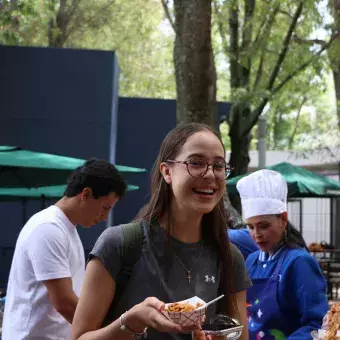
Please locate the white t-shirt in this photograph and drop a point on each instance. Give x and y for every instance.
(48, 247)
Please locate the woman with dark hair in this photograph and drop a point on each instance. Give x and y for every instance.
(288, 298)
(185, 249)
(238, 232)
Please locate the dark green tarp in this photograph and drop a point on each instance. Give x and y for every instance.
(49, 192)
(301, 182)
(29, 169)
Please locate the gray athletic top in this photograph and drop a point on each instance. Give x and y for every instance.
(159, 273)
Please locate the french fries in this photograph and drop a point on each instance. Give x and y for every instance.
(334, 322)
(182, 307)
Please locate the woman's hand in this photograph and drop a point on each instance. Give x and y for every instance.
(148, 314)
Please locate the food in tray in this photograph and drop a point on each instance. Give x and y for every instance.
(333, 323)
(315, 247)
(187, 312)
(182, 307)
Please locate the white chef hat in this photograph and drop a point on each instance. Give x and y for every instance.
(263, 192)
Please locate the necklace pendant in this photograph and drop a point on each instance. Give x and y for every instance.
(188, 276)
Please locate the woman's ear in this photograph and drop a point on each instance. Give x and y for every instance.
(284, 217)
(165, 171)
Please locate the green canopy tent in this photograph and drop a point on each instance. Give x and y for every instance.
(29, 169)
(301, 182)
(26, 175)
(41, 193)
(48, 192)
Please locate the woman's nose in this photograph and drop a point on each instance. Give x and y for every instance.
(210, 171)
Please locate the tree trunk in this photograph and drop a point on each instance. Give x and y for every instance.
(194, 63)
(334, 55)
(240, 76)
(57, 30)
(239, 157)
(336, 76)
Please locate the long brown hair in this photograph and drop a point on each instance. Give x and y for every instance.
(214, 224)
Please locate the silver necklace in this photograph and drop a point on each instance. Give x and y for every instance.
(188, 272)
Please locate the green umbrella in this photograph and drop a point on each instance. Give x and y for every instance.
(41, 193)
(29, 169)
(301, 182)
(48, 192)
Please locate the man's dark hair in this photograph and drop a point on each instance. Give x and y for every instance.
(100, 176)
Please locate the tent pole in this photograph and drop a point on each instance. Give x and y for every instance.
(301, 216)
(24, 211)
(332, 229)
(262, 147)
(43, 202)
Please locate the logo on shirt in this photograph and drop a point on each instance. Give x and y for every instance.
(210, 279)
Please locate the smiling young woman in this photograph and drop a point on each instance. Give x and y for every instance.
(185, 250)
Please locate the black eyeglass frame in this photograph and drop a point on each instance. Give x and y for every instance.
(228, 168)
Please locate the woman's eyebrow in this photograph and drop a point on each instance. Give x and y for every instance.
(195, 155)
(258, 224)
(202, 156)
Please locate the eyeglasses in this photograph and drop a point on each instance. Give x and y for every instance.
(198, 168)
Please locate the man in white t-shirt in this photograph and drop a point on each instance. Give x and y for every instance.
(49, 263)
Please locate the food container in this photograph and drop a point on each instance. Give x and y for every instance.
(187, 318)
(321, 334)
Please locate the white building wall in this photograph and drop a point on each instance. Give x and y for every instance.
(316, 221)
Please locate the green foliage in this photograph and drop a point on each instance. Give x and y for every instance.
(138, 34)
(23, 22)
(143, 40)
(134, 32)
(297, 101)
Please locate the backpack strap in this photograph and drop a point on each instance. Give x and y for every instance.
(132, 246)
(133, 237)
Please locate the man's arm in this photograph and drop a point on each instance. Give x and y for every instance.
(62, 297)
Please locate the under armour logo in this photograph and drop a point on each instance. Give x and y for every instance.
(210, 279)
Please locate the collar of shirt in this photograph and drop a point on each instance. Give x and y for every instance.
(264, 256)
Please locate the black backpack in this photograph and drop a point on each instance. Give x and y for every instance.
(133, 242)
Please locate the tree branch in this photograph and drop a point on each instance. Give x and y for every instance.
(281, 11)
(265, 31)
(304, 65)
(221, 29)
(234, 45)
(248, 26)
(245, 66)
(259, 71)
(291, 138)
(257, 112)
(71, 12)
(168, 15)
(285, 47)
(81, 22)
(260, 32)
(308, 42)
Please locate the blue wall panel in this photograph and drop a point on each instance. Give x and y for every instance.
(57, 101)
